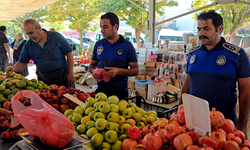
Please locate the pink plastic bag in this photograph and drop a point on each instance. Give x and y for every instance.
(41, 120)
(99, 73)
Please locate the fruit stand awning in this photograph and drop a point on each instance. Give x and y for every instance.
(11, 9)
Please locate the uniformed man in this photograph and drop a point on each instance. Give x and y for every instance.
(115, 54)
(214, 68)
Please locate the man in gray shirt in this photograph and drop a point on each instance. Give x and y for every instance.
(4, 47)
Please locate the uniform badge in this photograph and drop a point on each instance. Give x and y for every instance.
(100, 50)
(193, 59)
(221, 60)
(120, 51)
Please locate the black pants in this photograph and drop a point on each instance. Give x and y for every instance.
(121, 95)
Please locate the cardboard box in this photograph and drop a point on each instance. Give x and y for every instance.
(150, 77)
(141, 77)
(131, 84)
(156, 88)
(150, 64)
(142, 92)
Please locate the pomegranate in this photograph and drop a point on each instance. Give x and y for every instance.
(182, 141)
(181, 107)
(183, 130)
(244, 148)
(210, 142)
(139, 147)
(147, 129)
(129, 144)
(152, 141)
(206, 148)
(169, 146)
(160, 123)
(217, 118)
(194, 135)
(246, 144)
(231, 145)
(140, 141)
(171, 131)
(173, 117)
(160, 133)
(219, 139)
(239, 134)
(232, 137)
(181, 117)
(134, 132)
(228, 126)
(220, 131)
(192, 147)
(175, 123)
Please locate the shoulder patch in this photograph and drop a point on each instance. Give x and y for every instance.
(194, 49)
(231, 48)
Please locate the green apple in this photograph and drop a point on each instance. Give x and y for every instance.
(111, 126)
(140, 125)
(112, 100)
(123, 101)
(113, 117)
(85, 119)
(88, 110)
(132, 105)
(141, 111)
(117, 145)
(74, 124)
(100, 124)
(152, 115)
(68, 112)
(133, 110)
(91, 114)
(100, 97)
(110, 136)
(121, 120)
(96, 139)
(143, 119)
(114, 108)
(70, 117)
(145, 116)
(84, 135)
(79, 110)
(124, 128)
(121, 106)
(150, 120)
(98, 115)
(96, 105)
(105, 145)
(131, 122)
(104, 107)
(90, 146)
(127, 113)
(90, 102)
(152, 112)
(81, 129)
(103, 133)
(117, 128)
(90, 124)
(123, 137)
(92, 131)
(77, 118)
(137, 117)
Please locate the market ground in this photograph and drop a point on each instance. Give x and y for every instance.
(32, 75)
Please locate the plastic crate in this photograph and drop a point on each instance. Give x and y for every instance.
(166, 114)
(141, 103)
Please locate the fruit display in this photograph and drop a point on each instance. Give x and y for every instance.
(174, 135)
(106, 121)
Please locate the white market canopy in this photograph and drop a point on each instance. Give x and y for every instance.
(12, 9)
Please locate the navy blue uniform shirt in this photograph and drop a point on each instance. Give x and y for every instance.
(117, 55)
(213, 75)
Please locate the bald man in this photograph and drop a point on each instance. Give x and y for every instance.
(48, 50)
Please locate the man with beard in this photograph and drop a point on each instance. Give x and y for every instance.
(214, 68)
(114, 54)
(48, 50)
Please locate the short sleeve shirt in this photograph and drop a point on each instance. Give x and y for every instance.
(3, 39)
(49, 58)
(117, 55)
(213, 75)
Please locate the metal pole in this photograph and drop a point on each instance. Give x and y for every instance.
(151, 37)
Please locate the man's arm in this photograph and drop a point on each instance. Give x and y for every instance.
(70, 76)
(6, 45)
(185, 87)
(132, 71)
(17, 67)
(244, 104)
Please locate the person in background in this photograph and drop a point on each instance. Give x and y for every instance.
(142, 44)
(115, 54)
(52, 29)
(48, 50)
(17, 46)
(10, 41)
(214, 68)
(4, 49)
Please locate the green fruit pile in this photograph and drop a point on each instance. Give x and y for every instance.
(105, 121)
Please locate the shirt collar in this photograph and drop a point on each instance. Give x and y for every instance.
(217, 46)
(121, 39)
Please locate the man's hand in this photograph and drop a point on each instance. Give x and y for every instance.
(11, 68)
(242, 128)
(4, 115)
(70, 80)
(112, 71)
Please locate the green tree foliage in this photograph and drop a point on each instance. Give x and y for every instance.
(58, 25)
(234, 15)
(79, 13)
(134, 16)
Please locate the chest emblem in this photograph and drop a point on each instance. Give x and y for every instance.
(221, 60)
(120, 51)
(100, 50)
(193, 59)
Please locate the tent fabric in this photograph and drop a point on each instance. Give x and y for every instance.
(12, 9)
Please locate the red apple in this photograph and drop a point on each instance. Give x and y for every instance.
(5, 124)
(65, 100)
(21, 99)
(64, 107)
(82, 97)
(17, 133)
(56, 106)
(26, 103)
(70, 90)
(43, 90)
(53, 88)
(5, 135)
(92, 94)
(41, 94)
(82, 92)
(63, 88)
(77, 90)
(87, 95)
(6, 104)
(72, 105)
(56, 99)
(61, 93)
(129, 144)
(50, 101)
(76, 94)
(134, 132)
(47, 95)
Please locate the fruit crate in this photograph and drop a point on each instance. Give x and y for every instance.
(141, 103)
(166, 114)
